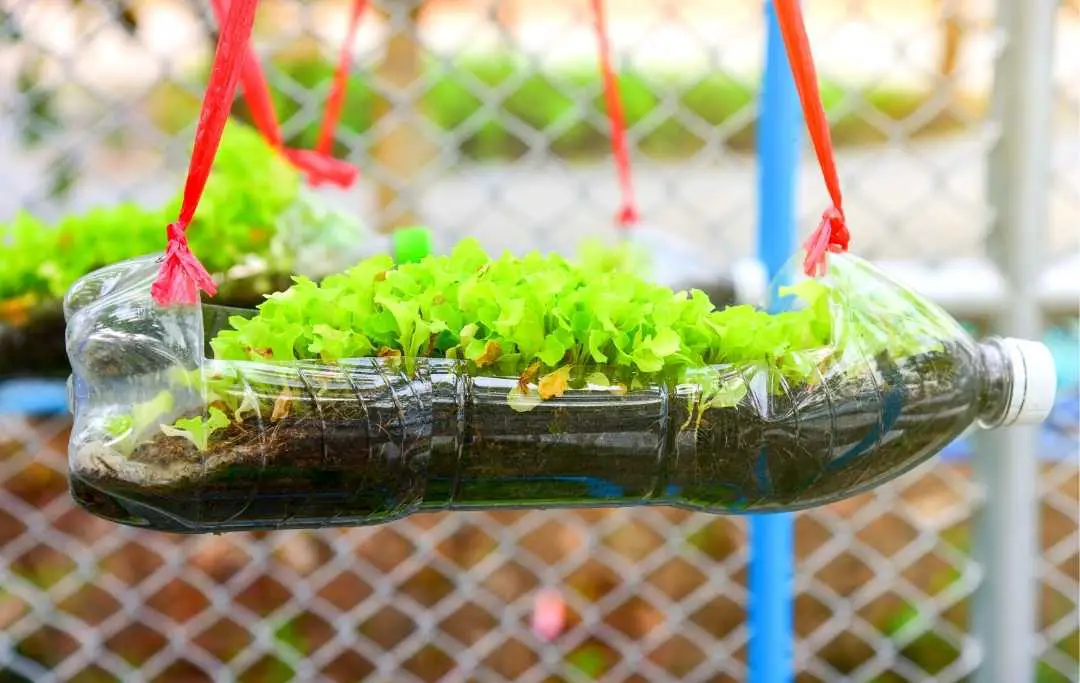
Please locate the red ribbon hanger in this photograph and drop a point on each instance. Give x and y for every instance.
(181, 275)
(318, 165)
(831, 235)
(628, 215)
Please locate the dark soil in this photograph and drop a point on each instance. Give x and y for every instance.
(36, 348)
(338, 461)
(324, 464)
(823, 444)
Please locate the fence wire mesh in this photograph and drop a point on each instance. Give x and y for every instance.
(486, 119)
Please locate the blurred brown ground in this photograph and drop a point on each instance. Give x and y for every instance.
(37, 478)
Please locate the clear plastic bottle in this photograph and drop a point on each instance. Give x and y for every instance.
(299, 445)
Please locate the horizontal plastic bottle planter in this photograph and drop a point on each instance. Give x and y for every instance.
(365, 441)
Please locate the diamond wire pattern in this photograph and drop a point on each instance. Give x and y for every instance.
(881, 591)
(883, 581)
(1059, 618)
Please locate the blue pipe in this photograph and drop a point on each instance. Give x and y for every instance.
(771, 536)
(35, 397)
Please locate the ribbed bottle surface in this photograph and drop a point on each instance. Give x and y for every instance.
(364, 443)
(305, 444)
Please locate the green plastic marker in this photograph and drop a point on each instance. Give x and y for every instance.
(411, 244)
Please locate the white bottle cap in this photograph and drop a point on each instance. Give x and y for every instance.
(1034, 382)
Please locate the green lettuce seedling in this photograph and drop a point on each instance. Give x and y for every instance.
(529, 317)
(557, 325)
(127, 429)
(198, 430)
(250, 186)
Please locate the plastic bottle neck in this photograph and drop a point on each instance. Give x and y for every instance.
(996, 385)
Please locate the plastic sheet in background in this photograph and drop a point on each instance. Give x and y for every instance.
(672, 261)
(165, 438)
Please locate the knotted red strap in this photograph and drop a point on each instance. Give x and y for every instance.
(322, 169)
(318, 166)
(181, 275)
(628, 213)
(832, 234)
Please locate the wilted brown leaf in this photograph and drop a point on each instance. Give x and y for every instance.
(491, 353)
(282, 405)
(528, 377)
(555, 383)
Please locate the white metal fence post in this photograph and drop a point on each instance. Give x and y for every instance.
(1006, 541)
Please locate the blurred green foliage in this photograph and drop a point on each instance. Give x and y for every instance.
(249, 188)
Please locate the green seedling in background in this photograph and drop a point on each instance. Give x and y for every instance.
(249, 188)
(198, 430)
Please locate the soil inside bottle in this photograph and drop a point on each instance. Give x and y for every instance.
(575, 452)
(320, 450)
(335, 465)
(817, 444)
(331, 463)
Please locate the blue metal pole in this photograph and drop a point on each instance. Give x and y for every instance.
(771, 536)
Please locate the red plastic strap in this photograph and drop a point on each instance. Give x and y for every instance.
(318, 167)
(255, 91)
(181, 275)
(341, 81)
(628, 213)
(832, 234)
(322, 169)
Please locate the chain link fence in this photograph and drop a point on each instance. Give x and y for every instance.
(485, 118)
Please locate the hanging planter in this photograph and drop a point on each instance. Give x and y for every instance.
(246, 227)
(460, 383)
(466, 382)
